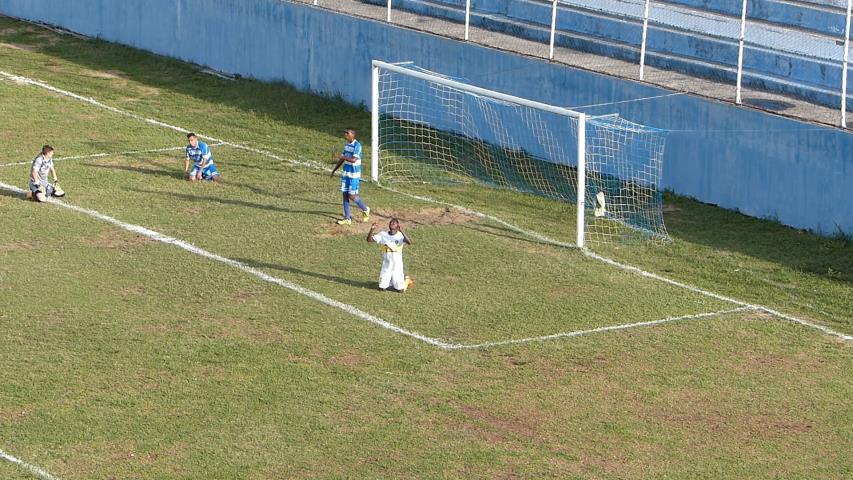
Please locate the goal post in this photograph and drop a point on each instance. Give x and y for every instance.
(431, 128)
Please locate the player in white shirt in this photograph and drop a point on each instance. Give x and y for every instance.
(391, 242)
(40, 188)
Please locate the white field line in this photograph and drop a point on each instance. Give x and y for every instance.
(538, 236)
(139, 230)
(578, 333)
(101, 155)
(38, 472)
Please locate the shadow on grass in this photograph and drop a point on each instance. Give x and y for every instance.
(277, 102)
(11, 194)
(228, 201)
(724, 230)
(330, 278)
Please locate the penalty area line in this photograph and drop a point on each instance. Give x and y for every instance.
(538, 236)
(611, 328)
(38, 472)
(139, 230)
(101, 155)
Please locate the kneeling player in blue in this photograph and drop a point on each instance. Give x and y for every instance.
(351, 160)
(203, 167)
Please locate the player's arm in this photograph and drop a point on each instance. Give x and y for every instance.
(338, 165)
(370, 232)
(356, 155)
(34, 174)
(53, 172)
(405, 237)
(187, 166)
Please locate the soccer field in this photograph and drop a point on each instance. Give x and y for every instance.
(159, 329)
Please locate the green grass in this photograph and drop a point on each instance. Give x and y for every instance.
(117, 363)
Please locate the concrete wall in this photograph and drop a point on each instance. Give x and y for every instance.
(757, 163)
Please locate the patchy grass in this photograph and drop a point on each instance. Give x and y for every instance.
(128, 358)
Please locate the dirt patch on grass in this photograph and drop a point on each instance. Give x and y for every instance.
(106, 75)
(133, 291)
(230, 328)
(349, 359)
(18, 246)
(190, 210)
(18, 46)
(117, 239)
(494, 428)
(14, 416)
(408, 218)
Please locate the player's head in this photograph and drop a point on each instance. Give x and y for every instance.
(47, 151)
(349, 134)
(193, 139)
(394, 225)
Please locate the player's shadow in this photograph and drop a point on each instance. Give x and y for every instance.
(229, 201)
(160, 172)
(9, 193)
(298, 271)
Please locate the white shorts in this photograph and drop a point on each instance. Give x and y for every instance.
(392, 271)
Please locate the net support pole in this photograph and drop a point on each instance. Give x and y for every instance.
(374, 125)
(643, 41)
(388, 14)
(581, 199)
(467, 17)
(315, 2)
(741, 41)
(844, 67)
(553, 30)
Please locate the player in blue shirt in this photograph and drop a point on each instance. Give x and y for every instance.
(203, 166)
(351, 160)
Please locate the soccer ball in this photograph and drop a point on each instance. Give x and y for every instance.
(408, 283)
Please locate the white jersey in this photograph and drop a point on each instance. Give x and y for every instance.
(392, 262)
(42, 165)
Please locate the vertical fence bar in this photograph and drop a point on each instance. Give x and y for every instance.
(844, 68)
(553, 29)
(581, 198)
(643, 43)
(388, 15)
(315, 2)
(741, 41)
(467, 17)
(374, 124)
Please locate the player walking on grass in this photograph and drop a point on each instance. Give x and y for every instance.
(351, 160)
(391, 242)
(40, 188)
(203, 167)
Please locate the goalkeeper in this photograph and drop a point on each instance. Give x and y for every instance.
(391, 242)
(40, 188)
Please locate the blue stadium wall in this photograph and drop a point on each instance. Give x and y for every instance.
(759, 164)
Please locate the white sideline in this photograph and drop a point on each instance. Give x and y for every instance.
(532, 234)
(241, 266)
(40, 473)
(101, 155)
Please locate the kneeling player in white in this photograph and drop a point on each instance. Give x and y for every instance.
(199, 154)
(391, 242)
(40, 188)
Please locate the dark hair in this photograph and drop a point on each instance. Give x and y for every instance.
(191, 134)
(45, 149)
(348, 130)
(394, 219)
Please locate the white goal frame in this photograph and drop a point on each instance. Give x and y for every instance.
(579, 116)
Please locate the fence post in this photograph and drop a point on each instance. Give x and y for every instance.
(643, 43)
(388, 15)
(467, 17)
(844, 67)
(741, 41)
(553, 29)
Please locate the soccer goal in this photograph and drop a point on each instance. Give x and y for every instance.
(436, 129)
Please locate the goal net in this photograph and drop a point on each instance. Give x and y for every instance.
(430, 128)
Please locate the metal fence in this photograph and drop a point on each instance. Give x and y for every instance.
(796, 47)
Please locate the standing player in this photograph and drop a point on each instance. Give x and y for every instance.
(203, 167)
(391, 242)
(40, 188)
(351, 160)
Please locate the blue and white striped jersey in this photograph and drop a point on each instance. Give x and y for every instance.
(198, 153)
(352, 169)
